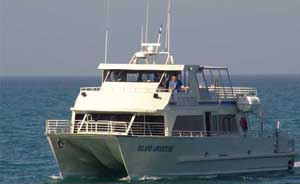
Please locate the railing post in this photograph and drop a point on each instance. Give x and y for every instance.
(130, 125)
(83, 120)
(56, 126)
(110, 127)
(149, 129)
(46, 127)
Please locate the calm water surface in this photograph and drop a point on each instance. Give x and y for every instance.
(26, 102)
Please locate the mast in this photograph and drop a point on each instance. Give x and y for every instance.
(105, 49)
(168, 26)
(168, 35)
(152, 49)
(106, 31)
(106, 35)
(158, 38)
(147, 21)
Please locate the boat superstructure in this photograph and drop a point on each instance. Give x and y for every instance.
(135, 125)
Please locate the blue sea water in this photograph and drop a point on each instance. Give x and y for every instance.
(26, 102)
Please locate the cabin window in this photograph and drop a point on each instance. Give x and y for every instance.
(149, 119)
(201, 80)
(133, 76)
(185, 78)
(188, 123)
(105, 117)
(211, 77)
(148, 125)
(111, 117)
(79, 117)
(214, 83)
(224, 123)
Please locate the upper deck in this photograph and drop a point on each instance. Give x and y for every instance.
(143, 85)
(145, 88)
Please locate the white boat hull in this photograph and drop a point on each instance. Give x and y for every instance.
(136, 157)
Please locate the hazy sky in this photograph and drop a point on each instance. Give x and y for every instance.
(66, 37)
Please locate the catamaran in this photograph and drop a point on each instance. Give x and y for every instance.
(152, 117)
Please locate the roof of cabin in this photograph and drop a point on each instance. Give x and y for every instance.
(160, 67)
(156, 67)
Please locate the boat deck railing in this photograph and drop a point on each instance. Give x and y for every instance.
(231, 92)
(104, 127)
(215, 92)
(136, 129)
(58, 127)
(191, 133)
(124, 89)
(100, 127)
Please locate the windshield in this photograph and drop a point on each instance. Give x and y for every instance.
(133, 76)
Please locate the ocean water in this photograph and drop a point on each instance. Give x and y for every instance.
(26, 102)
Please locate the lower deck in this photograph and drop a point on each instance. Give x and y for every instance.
(120, 156)
(123, 128)
(183, 123)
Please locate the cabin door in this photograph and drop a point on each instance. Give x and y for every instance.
(208, 122)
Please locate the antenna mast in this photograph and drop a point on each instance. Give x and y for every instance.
(105, 50)
(158, 39)
(142, 34)
(106, 31)
(147, 21)
(106, 5)
(168, 26)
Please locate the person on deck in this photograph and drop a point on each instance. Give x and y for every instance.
(175, 84)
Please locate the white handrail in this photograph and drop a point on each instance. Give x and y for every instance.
(101, 127)
(58, 126)
(106, 127)
(234, 92)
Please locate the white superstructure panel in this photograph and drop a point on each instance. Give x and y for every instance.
(123, 97)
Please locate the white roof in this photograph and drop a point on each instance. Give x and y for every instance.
(159, 67)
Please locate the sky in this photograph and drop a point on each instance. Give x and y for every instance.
(66, 37)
